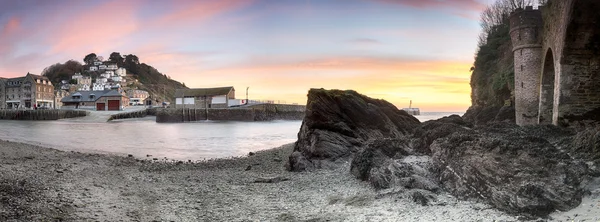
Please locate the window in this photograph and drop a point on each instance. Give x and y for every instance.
(521, 68)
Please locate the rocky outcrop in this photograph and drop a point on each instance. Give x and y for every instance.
(509, 168)
(338, 123)
(587, 143)
(480, 115)
(521, 170)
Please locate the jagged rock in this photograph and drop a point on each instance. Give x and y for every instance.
(376, 155)
(434, 129)
(506, 114)
(422, 197)
(339, 123)
(587, 143)
(479, 115)
(510, 169)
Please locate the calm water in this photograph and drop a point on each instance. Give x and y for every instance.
(194, 141)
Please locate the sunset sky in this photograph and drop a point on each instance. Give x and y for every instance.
(398, 50)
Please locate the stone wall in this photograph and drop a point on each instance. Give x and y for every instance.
(135, 114)
(262, 112)
(565, 73)
(51, 114)
(525, 35)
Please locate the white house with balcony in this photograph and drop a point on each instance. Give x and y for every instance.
(97, 63)
(102, 67)
(93, 68)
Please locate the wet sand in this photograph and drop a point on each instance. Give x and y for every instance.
(44, 184)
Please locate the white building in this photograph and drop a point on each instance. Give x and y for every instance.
(96, 63)
(105, 75)
(98, 87)
(84, 87)
(121, 71)
(77, 76)
(102, 67)
(101, 80)
(93, 68)
(112, 67)
(117, 78)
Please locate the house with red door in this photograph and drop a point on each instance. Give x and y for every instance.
(96, 100)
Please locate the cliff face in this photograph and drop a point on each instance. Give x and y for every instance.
(492, 79)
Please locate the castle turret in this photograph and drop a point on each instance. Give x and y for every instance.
(525, 33)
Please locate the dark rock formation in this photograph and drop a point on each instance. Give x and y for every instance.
(480, 115)
(509, 168)
(520, 170)
(339, 123)
(434, 129)
(587, 143)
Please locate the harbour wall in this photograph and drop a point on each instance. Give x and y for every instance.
(259, 112)
(47, 114)
(134, 114)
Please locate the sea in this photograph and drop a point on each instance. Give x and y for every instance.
(144, 138)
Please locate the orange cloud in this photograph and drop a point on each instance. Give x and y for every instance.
(427, 83)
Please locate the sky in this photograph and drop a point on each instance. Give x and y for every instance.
(397, 50)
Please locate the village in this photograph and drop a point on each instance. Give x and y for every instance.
(114, 89)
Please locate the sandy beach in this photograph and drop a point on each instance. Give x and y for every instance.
(45, 184)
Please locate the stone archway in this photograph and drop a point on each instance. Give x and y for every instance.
(547, 89)
(579, 68)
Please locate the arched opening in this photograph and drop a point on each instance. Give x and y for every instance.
(547, 89)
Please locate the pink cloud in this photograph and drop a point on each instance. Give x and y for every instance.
(194, 11)
(96, 29)
(456, 4)
(11, 26)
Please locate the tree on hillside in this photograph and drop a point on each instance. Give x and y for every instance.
(116, 58)
(492, 78)
(132, 59)
(90, 58)
(498, 13)
(58, 71)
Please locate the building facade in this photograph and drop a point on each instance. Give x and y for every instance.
(204, 97)
(95, 100)
(29, 92)
(3, 96)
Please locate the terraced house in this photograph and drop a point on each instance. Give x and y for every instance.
(28, 92)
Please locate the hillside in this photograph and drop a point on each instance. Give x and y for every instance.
(159, 85)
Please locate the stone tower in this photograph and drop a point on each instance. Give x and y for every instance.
(525, 33)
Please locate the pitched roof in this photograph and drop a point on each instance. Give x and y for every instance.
(34, 76)
(85, 96)
(180, 93)
(113, 93)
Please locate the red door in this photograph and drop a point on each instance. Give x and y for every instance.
(100, 106)
(114, 105)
